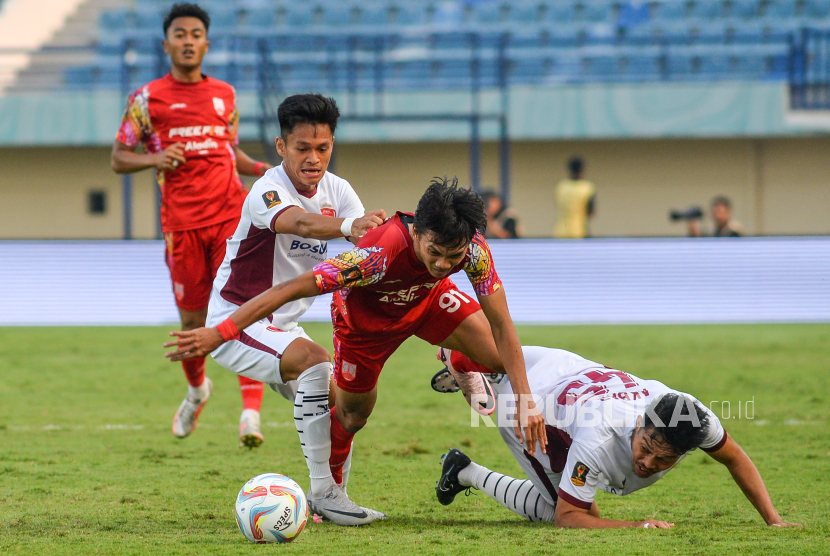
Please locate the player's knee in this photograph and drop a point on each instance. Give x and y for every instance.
(353, 420)
(301, 357)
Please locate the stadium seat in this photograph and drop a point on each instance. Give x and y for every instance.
(781, 9)
(339, 14)
(744, 9)
(558, 12)
(707, 9)
(597, 11)
(633, 13)
(818, 8)
(405, 13)
(373, 14)
(445, 14)
(489, 12)
(526, 12)
(299, 16)
(116, 20)
(640, 68)
(258, 18)
(672, 10)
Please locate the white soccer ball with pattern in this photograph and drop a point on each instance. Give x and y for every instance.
(271, 508)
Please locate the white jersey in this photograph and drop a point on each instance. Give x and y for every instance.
(257, 258)
(591, 413)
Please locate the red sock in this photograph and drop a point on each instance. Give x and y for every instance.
(464, 364)
(194, 370)
(251, 393)
(341, 445)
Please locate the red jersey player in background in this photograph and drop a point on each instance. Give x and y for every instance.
(395, 284)
(187, 123)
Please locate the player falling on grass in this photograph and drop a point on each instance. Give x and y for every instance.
(606, 429)
(187, 124)
(395, 284)
(287, 220)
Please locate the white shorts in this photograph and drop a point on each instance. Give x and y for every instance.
(257, 352)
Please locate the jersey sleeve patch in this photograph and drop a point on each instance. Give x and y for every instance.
(480, 269)
(579, 474)
(136, 126)
(361, 266)
(271, 199)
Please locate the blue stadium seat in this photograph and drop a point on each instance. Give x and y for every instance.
(446, 14)
(818, 8)
(490, 11)
(633, 13)
(707, 9)
(407, 13)
(258, 18)
(672, 9)
(781, 9)
(374, 14)
(116, 20)
(597, 11)
(558, 12)
(640, 67)
(744, 9)
(339, 14)
(526, 12)
(299, 16)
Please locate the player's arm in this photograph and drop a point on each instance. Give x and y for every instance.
(487, 285)
(507, 342)
(568, 515)
(201, 341)
(125, 160)
(247, 165)
(298, 222)
(747, 477)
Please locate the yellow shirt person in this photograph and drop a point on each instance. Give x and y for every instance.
(574, 200)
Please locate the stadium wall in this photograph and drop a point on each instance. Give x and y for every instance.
(777, 185)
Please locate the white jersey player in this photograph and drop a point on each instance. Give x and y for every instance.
(606, 429)
(287, 219)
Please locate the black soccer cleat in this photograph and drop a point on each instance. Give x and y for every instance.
(448, 485)
(444, 382)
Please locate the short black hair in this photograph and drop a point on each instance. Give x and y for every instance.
(453, 214)
(307, 109)
(575, 166)
(722, 200)
(185, 9)
(675, 425)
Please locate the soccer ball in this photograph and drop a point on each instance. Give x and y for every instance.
(271, 508)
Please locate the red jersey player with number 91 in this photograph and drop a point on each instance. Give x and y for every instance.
(395, 284)
(187, 124)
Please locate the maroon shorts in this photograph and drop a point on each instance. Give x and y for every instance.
(359, 356)
(193, 257)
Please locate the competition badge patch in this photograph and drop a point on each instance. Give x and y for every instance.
(348, 370)
(219, 105)
(327, 210)
(579, 474)
(271, 199)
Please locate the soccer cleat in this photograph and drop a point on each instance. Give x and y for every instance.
(448, 485)
(249, 434)
(338, 508)
(185, 419)
(444, 383)
(470, 384)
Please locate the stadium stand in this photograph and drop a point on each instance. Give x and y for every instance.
(427, 45)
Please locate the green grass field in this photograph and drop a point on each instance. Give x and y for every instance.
(88, 464)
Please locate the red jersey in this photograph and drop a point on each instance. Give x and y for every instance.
(379, 284)
(206, 190)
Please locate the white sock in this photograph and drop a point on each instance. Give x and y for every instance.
(313, 422)
(199, 392)
(347, 467)
(517, 496)
(248, 414)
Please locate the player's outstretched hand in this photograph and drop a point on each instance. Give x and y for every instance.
(371, 220)
(655, 524)
(533, 422)
(193, 343)
(171, 158)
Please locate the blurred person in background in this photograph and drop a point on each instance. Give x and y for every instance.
(502, 221)
(575, 200)
(725, 226)
(187, 124)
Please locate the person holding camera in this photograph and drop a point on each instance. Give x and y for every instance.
(721, 212)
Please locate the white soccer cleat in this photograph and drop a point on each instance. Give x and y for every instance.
(476, 389)
(184, 422)
(249, 431)
(338, 508)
